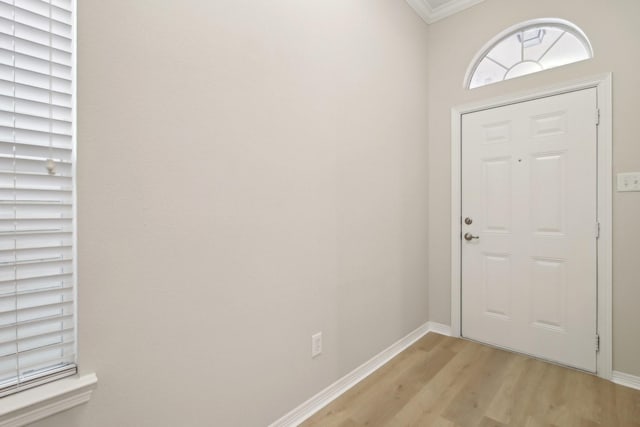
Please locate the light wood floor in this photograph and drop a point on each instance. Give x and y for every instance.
(447, 382)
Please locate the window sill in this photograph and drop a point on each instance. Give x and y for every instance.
(49, 399)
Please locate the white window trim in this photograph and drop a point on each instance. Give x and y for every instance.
(34, 404)
(603, 85)
(40, 402)
(46, 389)
(523, 26)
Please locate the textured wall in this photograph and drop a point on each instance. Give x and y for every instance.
(249, 173)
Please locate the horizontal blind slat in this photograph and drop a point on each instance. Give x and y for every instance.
(66, 289)
(32, 342)
(11, 104)
(63, 4)
(15, 247)
(33, 299)
(39, 358)
(9, 56)
(31, 159)
(33, 358)
(44, 320)
(33, 150)
(14, 182)
(29, 52)
(39, 50)
(25, 311)
(25, 208)
(37, 79)
(54, 269)
(42, 8)
(57, 51)
(37, 194)
(38, 216)
(46, 286)
(31, 69)
(22, 229)
(31, 370)
(31, 256)
(37, 13)
(31, 93)
(26, 137)
(32, 123)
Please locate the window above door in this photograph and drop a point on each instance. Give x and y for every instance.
(528, 48)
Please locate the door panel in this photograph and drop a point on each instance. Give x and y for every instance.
(529, 185)
(497, 194)
(497, 289)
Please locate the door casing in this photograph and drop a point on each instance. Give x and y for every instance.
(602, 84)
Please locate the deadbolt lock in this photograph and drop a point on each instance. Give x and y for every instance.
(468, 221)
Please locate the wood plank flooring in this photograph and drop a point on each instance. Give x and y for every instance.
(448, 382)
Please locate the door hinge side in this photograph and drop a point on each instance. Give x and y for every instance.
(597, 230)
(597, 117)
(597, 343)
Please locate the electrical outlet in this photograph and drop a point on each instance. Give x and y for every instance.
(316, 344)
(629, 181)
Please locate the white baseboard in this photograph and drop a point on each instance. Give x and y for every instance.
(626, 380)
(439, 328)
(335, 390)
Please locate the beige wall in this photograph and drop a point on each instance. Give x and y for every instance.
(253, 172)
(250, 173)
(614, 31)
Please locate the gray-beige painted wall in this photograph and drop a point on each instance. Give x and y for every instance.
(613, 29)
(249, 173)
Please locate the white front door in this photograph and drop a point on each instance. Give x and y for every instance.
(529, 206)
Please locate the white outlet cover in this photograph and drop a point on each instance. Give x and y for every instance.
(629, 181)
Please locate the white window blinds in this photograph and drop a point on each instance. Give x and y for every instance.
(37, 308)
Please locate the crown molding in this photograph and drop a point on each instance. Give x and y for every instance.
(431, 14)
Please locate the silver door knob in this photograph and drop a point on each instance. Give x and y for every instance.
(468, 237)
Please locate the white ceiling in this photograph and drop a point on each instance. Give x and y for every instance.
(435, 10)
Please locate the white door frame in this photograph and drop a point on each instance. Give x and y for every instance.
(602, 83)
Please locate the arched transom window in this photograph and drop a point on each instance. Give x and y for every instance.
(527, 48)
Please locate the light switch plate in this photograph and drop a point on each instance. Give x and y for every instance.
(629, 181)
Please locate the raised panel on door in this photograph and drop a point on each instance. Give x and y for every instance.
(496, 199)
(529, 186)
(497, 290)
(547, 190)
(548, 294)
